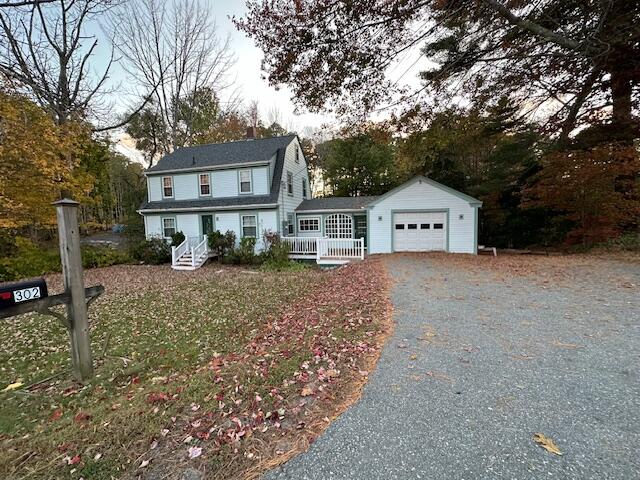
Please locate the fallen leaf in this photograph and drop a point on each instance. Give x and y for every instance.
(306, 391)
(144, 463)
(13, 386)
(413, 357)
(195, 452)
(74, 460)
(546, 443)
(57, 413)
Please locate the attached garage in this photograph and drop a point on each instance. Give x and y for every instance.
(423, 215)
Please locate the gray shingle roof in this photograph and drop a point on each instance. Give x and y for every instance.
(334, 203)
(240, 201)
(216, 154)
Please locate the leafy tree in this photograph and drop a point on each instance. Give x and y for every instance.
(592, 189)
(37, 163)
(360, 164)
(577, 56)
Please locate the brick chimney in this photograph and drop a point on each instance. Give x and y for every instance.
(251, 133)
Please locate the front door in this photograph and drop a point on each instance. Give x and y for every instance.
(361, 227)
(207, 224)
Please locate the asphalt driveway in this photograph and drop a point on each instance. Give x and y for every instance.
(485, 353)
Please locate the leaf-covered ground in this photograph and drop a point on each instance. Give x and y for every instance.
(223, 370)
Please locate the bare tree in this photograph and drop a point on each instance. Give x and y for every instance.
(24, 3)
(46, 50)
(171, 47)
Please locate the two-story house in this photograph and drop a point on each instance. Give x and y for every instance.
(257, 185)
(247, 186)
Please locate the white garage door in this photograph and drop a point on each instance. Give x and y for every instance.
(419, 232)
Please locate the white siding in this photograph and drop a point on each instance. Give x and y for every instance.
(260, 180)
(299, 171)
(152, 226)
(267, 221)
(185, 186)
(228, 221)
(423, 196)
(224, 183)
(155, 189)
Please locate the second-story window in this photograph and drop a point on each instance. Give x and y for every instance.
(297, 155)
(290, 183)
(245, 181)
(304, 188)
(205, 184)
(167, 187)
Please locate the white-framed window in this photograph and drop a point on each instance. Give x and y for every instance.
(311, 224)
(245, 181)
(290, 183)
(168, 227)
(304, 188)
(338, 225)
(167, 187)
(290, 224)
(204, 181)
(249, 226)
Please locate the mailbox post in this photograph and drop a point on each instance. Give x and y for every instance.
(81, 358)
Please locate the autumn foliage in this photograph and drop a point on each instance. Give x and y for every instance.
(37, 161)
(594, 189)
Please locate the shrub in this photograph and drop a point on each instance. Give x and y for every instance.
(177, 238)
(221, 244)
(245, 254)
(103, 256)
(154, 251)
(28, 260)
(276, 253)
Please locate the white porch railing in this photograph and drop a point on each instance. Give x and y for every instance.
(340, 248)
(198, 252)
(325, 248)
(180, 250)
(301, 246)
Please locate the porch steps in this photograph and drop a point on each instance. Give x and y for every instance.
(185, 261)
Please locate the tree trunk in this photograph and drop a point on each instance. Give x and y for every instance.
(621, 90)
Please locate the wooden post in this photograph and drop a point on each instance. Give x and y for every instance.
(81, 359)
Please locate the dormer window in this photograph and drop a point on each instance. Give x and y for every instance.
(167, 187)
(205, 184)
(245, 181)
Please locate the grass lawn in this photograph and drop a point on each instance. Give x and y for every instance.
(189, 365)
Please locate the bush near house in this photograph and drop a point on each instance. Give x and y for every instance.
(177, 239)
(220, 243)
(154, 251)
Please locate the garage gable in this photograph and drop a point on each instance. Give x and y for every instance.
(424, 181)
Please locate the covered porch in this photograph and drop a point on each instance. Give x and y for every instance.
(330, 230)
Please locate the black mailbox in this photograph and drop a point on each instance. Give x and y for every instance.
(15, 293)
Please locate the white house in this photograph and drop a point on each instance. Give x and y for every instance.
(257, 185)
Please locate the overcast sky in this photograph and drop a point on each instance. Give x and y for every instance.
(247, 73)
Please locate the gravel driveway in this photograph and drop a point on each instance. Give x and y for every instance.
(485, 353)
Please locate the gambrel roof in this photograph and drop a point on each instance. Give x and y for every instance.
(222, 154)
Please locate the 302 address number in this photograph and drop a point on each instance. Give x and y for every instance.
(26, 294)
